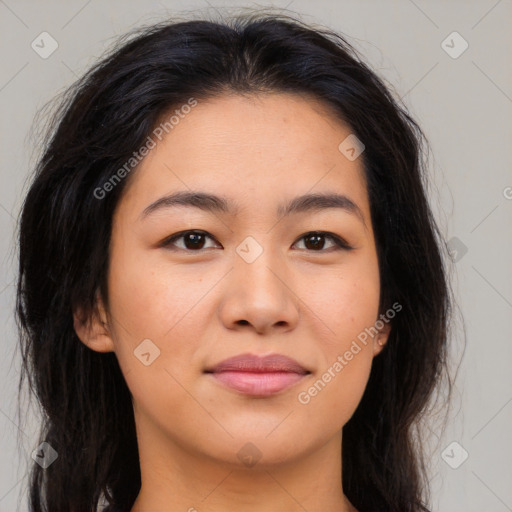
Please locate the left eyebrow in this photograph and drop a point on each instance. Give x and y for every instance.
(213, 203)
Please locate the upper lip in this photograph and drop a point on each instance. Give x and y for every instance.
(258, 364)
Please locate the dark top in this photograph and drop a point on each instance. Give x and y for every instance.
(114, 508)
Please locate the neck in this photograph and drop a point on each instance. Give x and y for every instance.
(176, 479)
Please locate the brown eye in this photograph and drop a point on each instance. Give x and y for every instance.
(315, 241)
(192, 240)
(195, 241)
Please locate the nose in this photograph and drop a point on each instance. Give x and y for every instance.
(259, 296)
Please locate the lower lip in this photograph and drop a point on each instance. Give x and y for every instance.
(258, 384)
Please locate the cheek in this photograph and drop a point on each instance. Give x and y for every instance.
(346, 308)
(345, 302)
(155, 321)
(152, 295)
(333, 396)
(149, 301)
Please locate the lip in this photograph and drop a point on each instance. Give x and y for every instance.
(258, 376)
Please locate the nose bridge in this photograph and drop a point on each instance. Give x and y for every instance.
(257, 265)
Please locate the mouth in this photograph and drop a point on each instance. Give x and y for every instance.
(258, 376)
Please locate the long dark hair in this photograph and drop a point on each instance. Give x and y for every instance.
(65, 232)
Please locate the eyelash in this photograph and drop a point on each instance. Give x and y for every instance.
(340, 244)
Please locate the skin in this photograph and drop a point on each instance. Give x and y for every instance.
(200, 307)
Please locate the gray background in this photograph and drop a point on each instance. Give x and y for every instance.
(464, 105)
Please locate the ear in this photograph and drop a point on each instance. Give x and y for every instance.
(380, 340)
(94, 331)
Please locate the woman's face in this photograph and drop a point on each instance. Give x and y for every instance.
(251, 281)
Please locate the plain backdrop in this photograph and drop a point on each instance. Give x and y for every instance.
(450, 61)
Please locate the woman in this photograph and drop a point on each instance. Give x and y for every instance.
(231, 288)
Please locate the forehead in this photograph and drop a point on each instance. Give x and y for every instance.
(255, 149)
